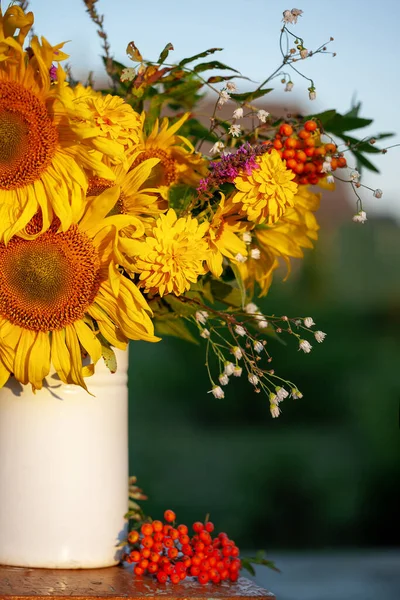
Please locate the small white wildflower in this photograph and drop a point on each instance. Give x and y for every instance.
(237, 371)
(217, 392)
(378, 193)
(128, 74)
(305, 346)
(223, 379)
(330, 179)
(218, 147)
(274, 410)
(312, 95)
(237, 352)
(240, 330)
(231, 86)
(263, 324)
(360, 217)
(258, 346)
(253, 379)
(308, 322)
(251, 308)
(304, 53)
(223, 98)
(287, 16)
(281, 393)
(320, 336)
(262, 115)
(238, 113)
(295, 393)
(273, 398)
(235, 130)
(240, 258)
(201, 316)
(229, 367)
(326, 165)
(255, 253)
(246, 237)
(355, 175)
(205, 334)
(296, 12)
(289, 86)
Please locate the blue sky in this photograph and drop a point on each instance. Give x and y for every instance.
(365, 38)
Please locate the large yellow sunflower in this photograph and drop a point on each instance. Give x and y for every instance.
(265, 193)
(286, 239)
(59, 291)
(179, 163)
(41, 160)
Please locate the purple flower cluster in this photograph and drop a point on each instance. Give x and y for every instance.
(53, 73)
(228, 167)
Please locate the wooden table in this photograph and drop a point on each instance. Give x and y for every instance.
(114, 583)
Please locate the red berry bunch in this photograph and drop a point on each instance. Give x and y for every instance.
(171, 554)
(305, 154)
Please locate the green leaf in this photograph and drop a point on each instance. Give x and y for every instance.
(248, 566)
(180, 197)
(339, 124)
(240, 284)
(213, 64)
(365, 162)
(250, 96)
(219, 78)
(226, 293)
(324, 117)
(182, 309)
(185, 61)
(175, 327)
(108, 354)
(165, 53)
(259, 559)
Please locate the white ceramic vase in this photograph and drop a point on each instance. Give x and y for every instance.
(64, 471)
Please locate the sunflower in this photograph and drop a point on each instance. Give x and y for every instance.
(286, 239)
(179, 163)
(225, 236)
(62, 296)
(112, 126)
(41, 160)
(266, 192)
(172, 255)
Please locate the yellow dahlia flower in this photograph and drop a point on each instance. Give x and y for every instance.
(225, 236)
(179, 163)
(41, 160)
(171, 257)
(58, 291)
(113, 127)
(266, 192)
(14, 18)
(284, 240)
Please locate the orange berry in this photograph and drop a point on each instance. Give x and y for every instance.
(320, 151)
(194, 571)
(175, 578)
(288, 153)
(184, 539)
(155, 557)
(152, 568)
(277, 144)
(162, 577)
(291, 163)
(203, 578)
(301, 156)
(334, 164)
(286, 129)
(303, 180)
(290, 143)
(299, 168)
(147, 529)
(157, 526)
(309, 142)
(135, 556)
(166, 529)
(169, 516)
(182, 529)
(133, 537)
(173, 552)
(173, 533)
(145, 552)
(169, 543)
(182, 575)
(158, 536)
(309, 168)
(144, 563)
(147, 541)
(209, 526)
(309, 151)
(330, 147)
(342, 162)
(303, 134)
(157, 547)
(197, 526)
(313, 179)
(138, 571)
(310, 126)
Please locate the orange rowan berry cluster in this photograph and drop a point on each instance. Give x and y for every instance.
(169, 553)
(305, 154)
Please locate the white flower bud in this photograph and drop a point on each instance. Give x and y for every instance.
(238, 113)
(228, 368)
(201, 316)
(308, 322)
(255, 253)
(237, 372)
(378, 193)
(223, 379)
(240, 330)
(258, 346)
(305, 346)
(253, 379)
(217, 392)
(320, 336)
(205, 334)
(237, 352)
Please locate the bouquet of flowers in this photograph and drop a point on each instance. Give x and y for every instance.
(124, 216)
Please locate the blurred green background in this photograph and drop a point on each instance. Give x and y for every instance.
(326, 473)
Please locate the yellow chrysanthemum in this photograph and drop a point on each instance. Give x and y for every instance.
(266, 192)
(285, 240)
(58, 290)
(171, 257)
(179, 163)
(113, 127)
(225, 236)
(41, 160)
(14, 18)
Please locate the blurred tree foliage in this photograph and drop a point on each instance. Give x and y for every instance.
(327, 472)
